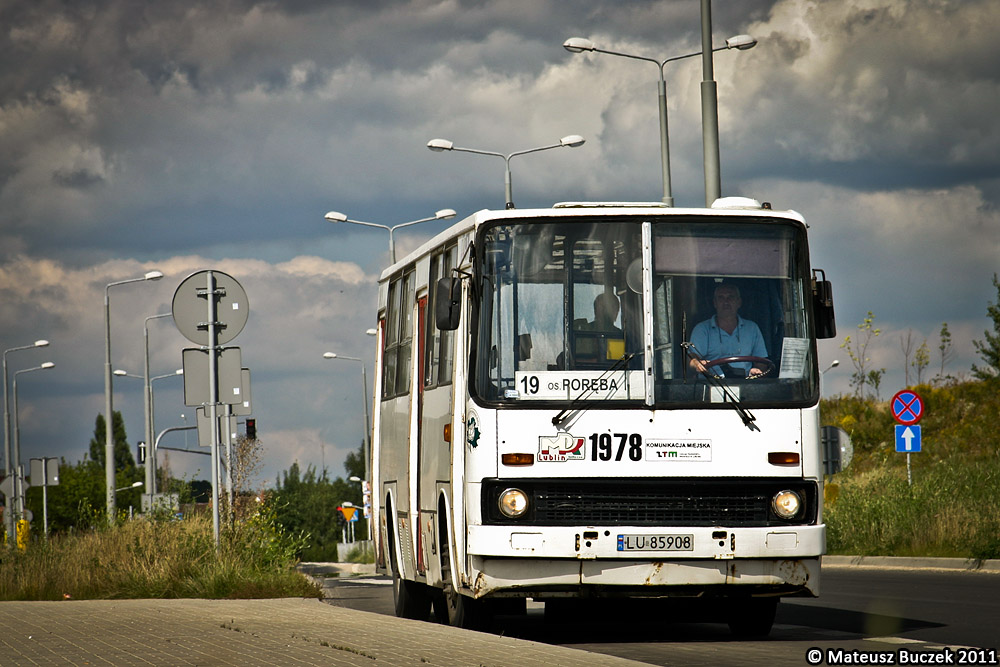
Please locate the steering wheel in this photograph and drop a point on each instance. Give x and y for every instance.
(753, 360)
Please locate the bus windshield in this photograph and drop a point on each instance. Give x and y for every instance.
(566, 312)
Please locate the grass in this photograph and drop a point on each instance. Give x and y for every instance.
(155, 559)
(952, 509)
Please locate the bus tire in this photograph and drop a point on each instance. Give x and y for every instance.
(752, 618)
(466, 612)
(410, 598)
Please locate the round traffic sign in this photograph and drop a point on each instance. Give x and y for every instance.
(907, 407)
(190, 308)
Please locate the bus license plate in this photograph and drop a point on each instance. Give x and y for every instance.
(656, 543)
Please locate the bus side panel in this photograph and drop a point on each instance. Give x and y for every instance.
(377, 521)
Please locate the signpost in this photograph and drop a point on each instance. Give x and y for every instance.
(907, 409)
(45, 473)
(210, 309)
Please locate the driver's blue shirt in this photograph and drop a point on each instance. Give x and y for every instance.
(712, 342)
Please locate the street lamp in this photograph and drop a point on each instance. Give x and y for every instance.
(570, 141)
(443, 214)
(8, 516)
(109, 440)
(133, 485)
(18, 477)
(151, 486)
(150, 467)
(364, 384)
(833, 364)
(580, 44)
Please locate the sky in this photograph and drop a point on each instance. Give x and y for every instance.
(188, 135)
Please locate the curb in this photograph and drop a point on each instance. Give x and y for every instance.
(904, 563)
(337, 569)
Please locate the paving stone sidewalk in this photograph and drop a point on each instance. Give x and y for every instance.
(245, 633)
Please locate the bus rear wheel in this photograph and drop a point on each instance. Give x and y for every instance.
(409, 598)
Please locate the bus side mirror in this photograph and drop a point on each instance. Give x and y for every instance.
(826, 325)
(447, 303)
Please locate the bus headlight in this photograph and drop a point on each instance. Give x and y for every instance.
(786, 504)
(513, 503)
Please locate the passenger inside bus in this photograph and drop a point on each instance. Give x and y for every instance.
(602, 340)
(605, 313)
(727, 334)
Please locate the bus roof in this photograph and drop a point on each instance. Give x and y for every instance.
(726, 207)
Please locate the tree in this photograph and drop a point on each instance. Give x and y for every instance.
(307, 501)
(78, 500)
(354, 464)
(123, 451)
(989, 347)
(906, 345)
(921, 360)
(858, 352)
(944, 347)
(875, 380)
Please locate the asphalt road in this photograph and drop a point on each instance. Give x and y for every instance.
(864, 612)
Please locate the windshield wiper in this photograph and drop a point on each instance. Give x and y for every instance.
(717, 381)
(619, 364)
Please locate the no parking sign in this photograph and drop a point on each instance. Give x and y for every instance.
(907, 407)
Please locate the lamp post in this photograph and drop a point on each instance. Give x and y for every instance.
(109, 440)
(151, 485)
(8, 517)
(570, 141)
(443, 214)
(580, 44)
(150, 466)
(833, 364)
(147, 406)
(18, 476)
(364, 384)
(133, 485)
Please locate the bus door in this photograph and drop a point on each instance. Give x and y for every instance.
(435, 413)
(394, 416)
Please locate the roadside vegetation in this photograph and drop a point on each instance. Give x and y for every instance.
(952, 508)
(159, 558)
(168, 554)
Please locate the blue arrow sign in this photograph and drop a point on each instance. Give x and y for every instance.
(907, 438)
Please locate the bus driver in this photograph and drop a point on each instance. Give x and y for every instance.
(726, 334)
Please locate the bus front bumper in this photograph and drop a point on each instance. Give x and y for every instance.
(758, 560)
(647, 578)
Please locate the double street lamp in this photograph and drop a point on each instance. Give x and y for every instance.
(570, 141)
(741, 42)
(109, 440)
(8, 515)
(150, 463)
(443, 214)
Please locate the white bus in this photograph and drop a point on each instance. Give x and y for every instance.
(541, 429)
